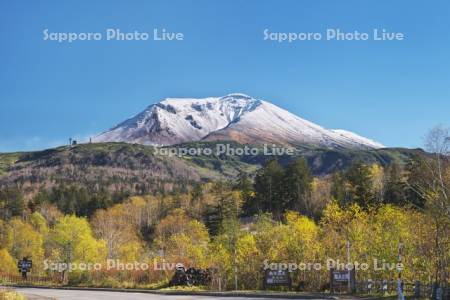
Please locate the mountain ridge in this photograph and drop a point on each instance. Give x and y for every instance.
(135, 168)
(236, 116)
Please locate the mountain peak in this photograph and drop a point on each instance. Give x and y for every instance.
(237, 96)
(236, 116)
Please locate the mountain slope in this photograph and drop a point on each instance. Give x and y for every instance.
(234, 117)
(139, 169)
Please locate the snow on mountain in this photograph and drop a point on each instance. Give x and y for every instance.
(233, 117)
(355, 138)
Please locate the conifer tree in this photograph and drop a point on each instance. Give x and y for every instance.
(297, 186)
(269, 189)
(360, 181)
(395, 187)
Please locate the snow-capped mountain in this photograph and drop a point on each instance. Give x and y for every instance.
(235, 117)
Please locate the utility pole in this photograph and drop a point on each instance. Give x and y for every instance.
(401, 295)
(235, 270)
(400, 254)
(233, 244)
(348, 269)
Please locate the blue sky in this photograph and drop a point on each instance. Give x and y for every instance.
(392, 92)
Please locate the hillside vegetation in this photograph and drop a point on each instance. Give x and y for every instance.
(132, 169)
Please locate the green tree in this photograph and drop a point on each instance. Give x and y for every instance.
(39, 199)
(269, 189)
(360, 184)
(417, 170)
(12, 203)
(395, 186)
(197, 193)
(227, 205)
(245, 186)
(338, 188)
(297, 187)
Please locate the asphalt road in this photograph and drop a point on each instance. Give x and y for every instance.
(47, 294)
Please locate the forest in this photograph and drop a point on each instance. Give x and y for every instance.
(281, 214)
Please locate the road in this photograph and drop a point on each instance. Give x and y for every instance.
(52, 294)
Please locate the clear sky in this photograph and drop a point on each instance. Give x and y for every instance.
(390, 91)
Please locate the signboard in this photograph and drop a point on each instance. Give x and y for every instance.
(277, 278)
(341, 276)
(24, 266)
(342, 280)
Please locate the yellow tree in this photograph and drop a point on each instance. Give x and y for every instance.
(249, 262)
(175, 222)
(375, 237)
(301, 245)
(6, 238)
(343, 228)
(295, 242)
(27, 242)
(320, 195)
(335, 229)
(122, 238)
(182, 239)
(71, 241)
(220, 260)
(378, 182)
(39, 223)
(7, 263)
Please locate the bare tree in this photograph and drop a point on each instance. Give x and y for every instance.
(434, 187)
(437, 188)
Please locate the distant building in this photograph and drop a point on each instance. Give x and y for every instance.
(72, 142)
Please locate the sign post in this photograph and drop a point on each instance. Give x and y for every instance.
(24, 266)
(342, 278)
(277, 278)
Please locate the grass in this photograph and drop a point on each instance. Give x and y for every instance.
(7, 160)
(10, 295)
(185, 288)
